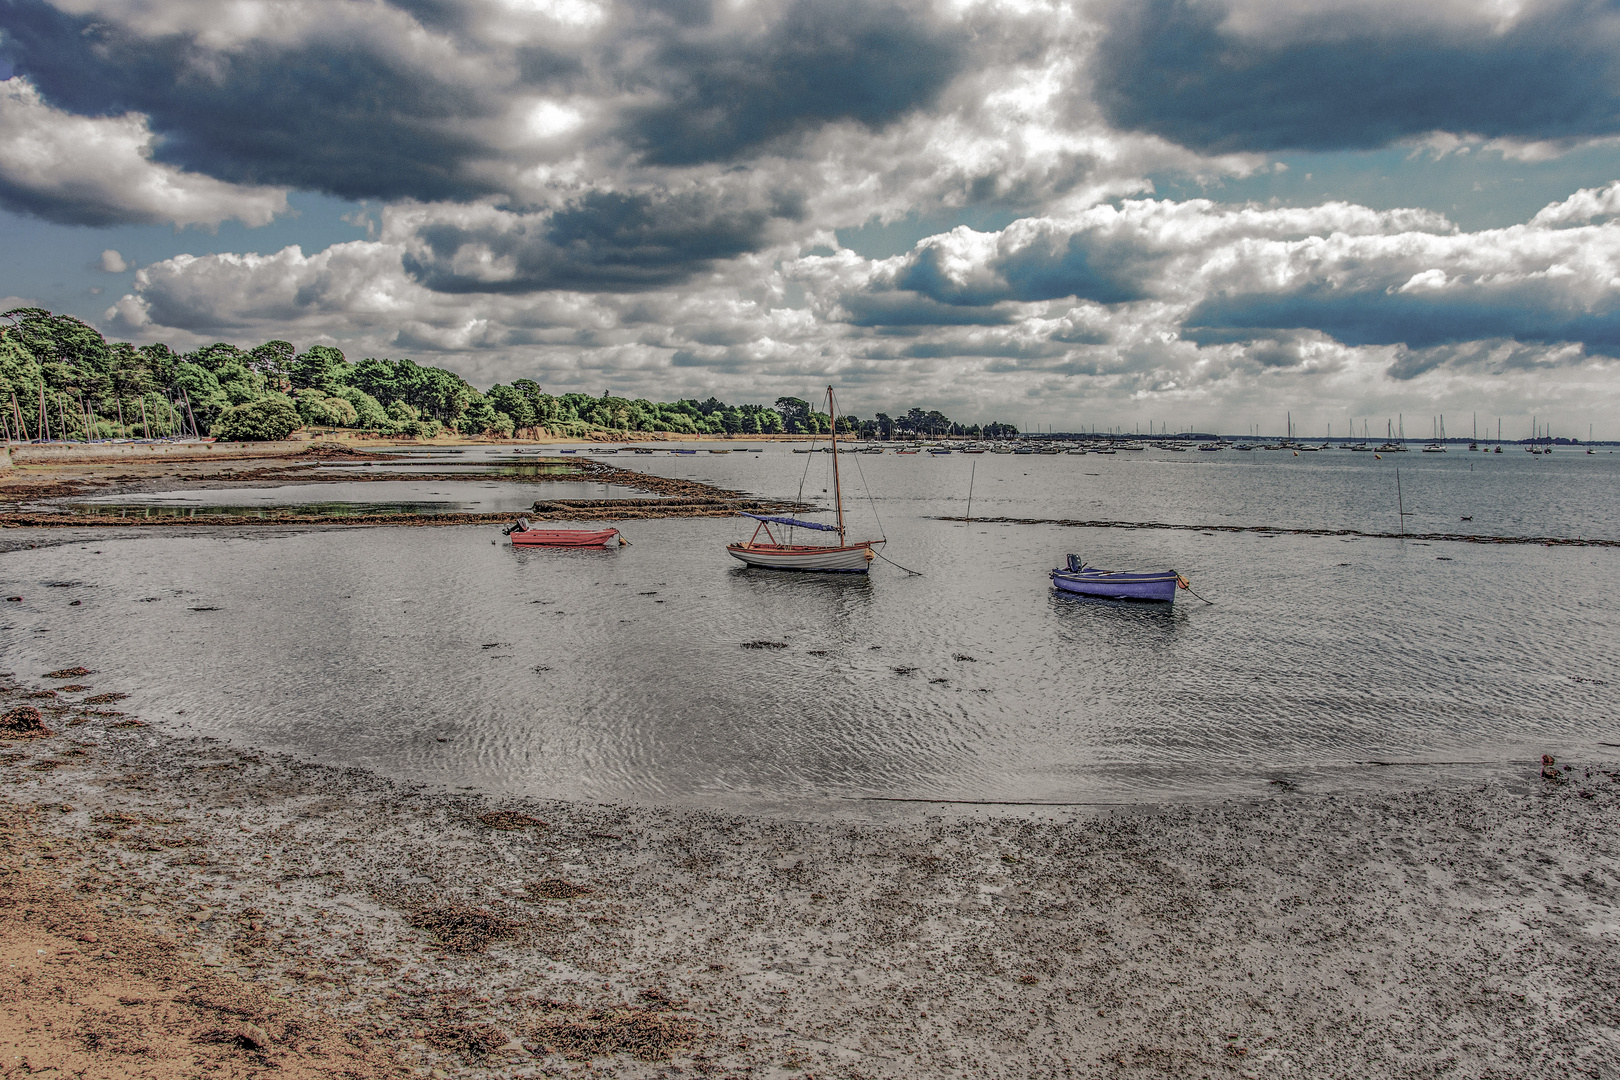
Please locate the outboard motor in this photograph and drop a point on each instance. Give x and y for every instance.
(1076, 564)
(520, 525)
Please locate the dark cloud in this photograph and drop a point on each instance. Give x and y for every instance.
(605, 242)
(333, 116)
(1171, 68)
(823, 61)
(1418, 320)
(418, 106)
(1088, 264)
(892, 308)
(1496, 357)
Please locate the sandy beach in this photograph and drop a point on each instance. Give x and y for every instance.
(179, 907)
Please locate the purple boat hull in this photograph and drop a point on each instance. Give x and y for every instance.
(1119, 585)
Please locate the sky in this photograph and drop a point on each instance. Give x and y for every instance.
(1114, 214)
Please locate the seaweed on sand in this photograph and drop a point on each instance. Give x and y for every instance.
(463, 928)
(24, 722)
(556, 889)
(510, 820)
(639, 1033)
(471, 1041)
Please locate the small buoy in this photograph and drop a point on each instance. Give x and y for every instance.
(1378, 457)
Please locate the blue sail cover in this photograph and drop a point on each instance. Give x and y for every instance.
(792, 521)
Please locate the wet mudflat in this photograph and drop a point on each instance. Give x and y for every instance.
(1466, 919)
(325, 483)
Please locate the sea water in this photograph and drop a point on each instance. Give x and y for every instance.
(666, 671)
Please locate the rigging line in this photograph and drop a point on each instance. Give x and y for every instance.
(812, 456)
(868, 489)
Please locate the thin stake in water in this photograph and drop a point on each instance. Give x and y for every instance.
(1400, 502)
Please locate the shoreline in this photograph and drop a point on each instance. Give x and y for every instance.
(1467, 927)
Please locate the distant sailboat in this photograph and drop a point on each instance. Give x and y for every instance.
(1438, 445)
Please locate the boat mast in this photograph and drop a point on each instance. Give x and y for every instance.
(838, 491)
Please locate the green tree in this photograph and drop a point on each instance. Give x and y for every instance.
(795, 413)
(316, 408)
(21, 381)
(369, 413)
(218, 355)
(321, 367)
(266, 419)
(477, 418)
(274, 360)
(202, 392)
(403, 412)
(514, 403)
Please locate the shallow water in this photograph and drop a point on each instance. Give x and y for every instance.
(437, 655)
(391, 496)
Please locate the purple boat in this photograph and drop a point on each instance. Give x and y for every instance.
(1077, 577)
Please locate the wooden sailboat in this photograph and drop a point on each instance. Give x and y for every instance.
(840, 558)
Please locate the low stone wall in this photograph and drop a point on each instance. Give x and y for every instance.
(53, 453)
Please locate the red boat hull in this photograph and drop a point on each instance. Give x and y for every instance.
(563, 538)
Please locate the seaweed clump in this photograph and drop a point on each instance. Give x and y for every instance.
(638, 1033)
(24, 722)
(556, 889)
(510, 820)
(462, 928)
(472, 1041)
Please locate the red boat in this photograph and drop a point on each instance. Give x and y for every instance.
(524, 536)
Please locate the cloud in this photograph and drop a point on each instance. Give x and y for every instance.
(1140, 249)
(113, 263)
(82, 170)
(1258, 75)
(606, 241)
(362, 106)
(457, 100)
(1585, 205)
(720, 95)
(1527, 283)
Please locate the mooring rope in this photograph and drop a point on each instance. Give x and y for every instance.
(1186, 586)
(891, 562)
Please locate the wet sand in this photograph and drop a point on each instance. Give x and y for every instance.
(1457, 926)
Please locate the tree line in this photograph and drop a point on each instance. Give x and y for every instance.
(61, 379)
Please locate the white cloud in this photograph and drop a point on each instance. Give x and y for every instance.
(777, 321)
(100, 169)
(1581, 207)
(113, 263)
